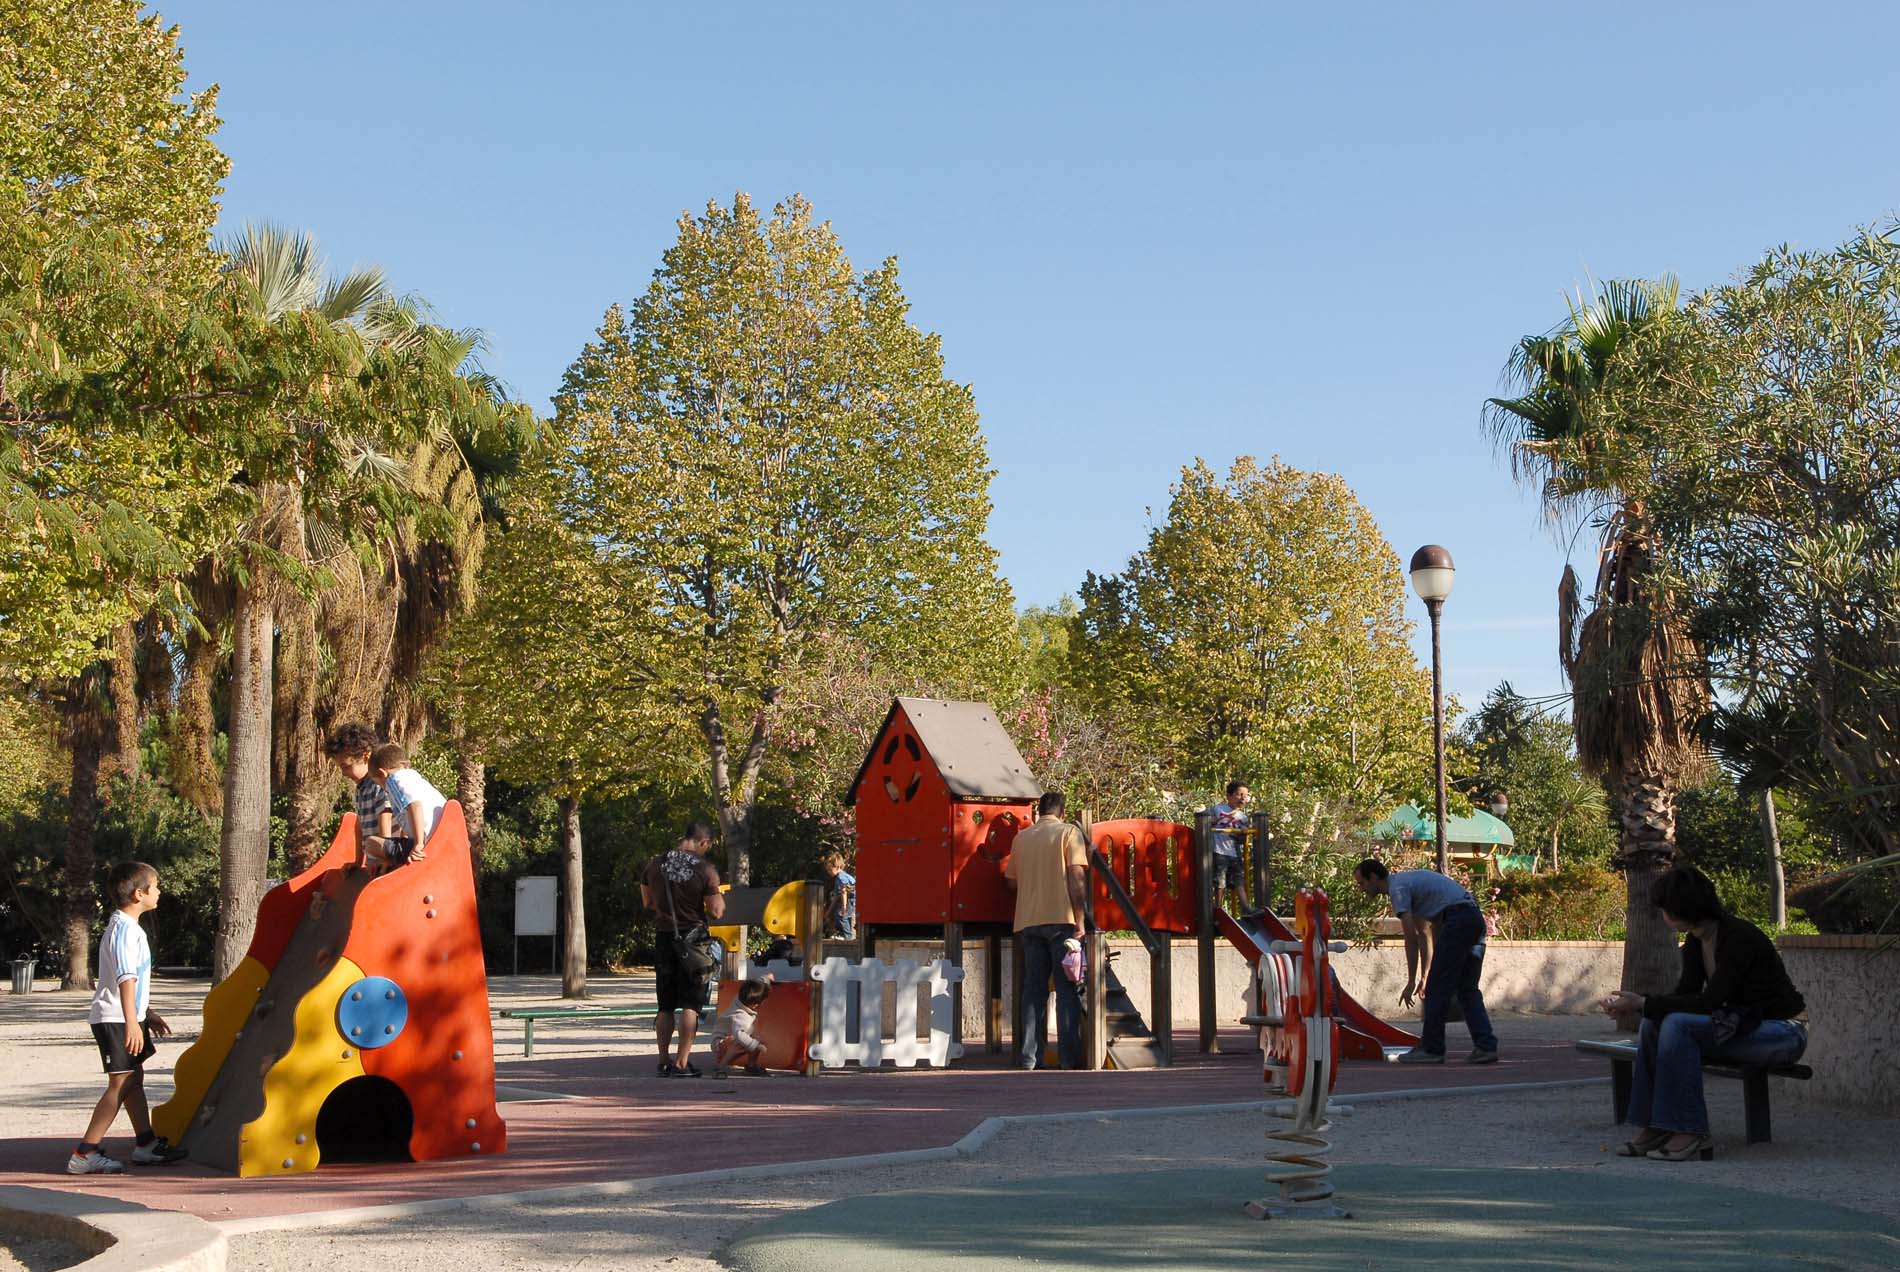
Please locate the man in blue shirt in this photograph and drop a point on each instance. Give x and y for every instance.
(1420, 897)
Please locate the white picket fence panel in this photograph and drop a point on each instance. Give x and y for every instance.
(904, 1049)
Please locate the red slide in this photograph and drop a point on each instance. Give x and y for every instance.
(1362, 1035)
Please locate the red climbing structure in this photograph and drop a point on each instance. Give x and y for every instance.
(356, 1025)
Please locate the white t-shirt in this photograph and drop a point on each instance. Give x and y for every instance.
(407, 787)
(124, 954)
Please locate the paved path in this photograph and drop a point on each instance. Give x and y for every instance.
(626, 1122)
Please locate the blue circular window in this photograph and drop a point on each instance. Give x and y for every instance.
(372, 1012)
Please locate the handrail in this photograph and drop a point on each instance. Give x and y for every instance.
(1136, 923)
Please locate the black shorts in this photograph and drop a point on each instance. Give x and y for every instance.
(111, 1040)
(679, 989)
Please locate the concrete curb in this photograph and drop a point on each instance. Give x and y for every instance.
(967, 1146)
(122, 1236)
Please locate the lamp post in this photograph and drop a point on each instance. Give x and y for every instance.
(1431, 579)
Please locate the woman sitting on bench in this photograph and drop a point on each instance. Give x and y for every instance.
(1734, 1004)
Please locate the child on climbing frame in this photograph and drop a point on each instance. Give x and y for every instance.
(125, 1027)
(349, 749)
(417, 803)
(733, 1036)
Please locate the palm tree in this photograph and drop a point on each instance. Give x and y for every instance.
(281, 276)
(1638, 688)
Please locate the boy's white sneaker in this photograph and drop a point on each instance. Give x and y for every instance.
(157, 1153)
(93, 1163)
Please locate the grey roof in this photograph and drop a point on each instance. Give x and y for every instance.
(968, 745)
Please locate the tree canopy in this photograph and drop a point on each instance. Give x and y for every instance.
(1261, 633)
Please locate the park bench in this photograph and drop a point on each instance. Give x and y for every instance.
(527, 1017)
(1754, 1079)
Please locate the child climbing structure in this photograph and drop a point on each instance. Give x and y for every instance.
(357, 1024)
(937, 803)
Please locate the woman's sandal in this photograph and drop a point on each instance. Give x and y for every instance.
(1643, 1145)
(1701, 1146)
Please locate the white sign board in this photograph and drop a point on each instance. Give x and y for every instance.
(534, 905)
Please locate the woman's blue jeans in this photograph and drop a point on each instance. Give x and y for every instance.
(1666, 1084)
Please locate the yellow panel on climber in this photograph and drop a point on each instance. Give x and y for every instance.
(283, 1139)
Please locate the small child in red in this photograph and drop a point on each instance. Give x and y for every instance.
(733, 1036)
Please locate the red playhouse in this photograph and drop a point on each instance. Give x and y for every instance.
(938, 800)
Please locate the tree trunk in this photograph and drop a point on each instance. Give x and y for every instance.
(1651, 958)
(80, 902)
(735, 794)
(1556, 835)
(573, 910)
(194, 766)
(244, 844)
(125, 700)
(471, 791)
(1777, 878)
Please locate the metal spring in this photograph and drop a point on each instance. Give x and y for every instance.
(1300, 1169)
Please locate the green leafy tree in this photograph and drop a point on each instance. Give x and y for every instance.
(1638, 684)
(1262, 633)
(109, 180)
(554, 671)
(766, 435)
(1776, 440)
(1556, 809)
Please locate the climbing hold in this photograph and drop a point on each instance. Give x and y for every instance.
(289, 1162)
(470, 1124)
(302, 1138)
(476, 1147)
(428, 898)
(346, 1053)
(456, 1056)
(429, 915)
(372, 1012)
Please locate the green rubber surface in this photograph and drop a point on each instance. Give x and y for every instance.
(1403, 1217)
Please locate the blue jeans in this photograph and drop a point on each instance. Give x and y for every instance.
(1457, 963)
(1042, 957)
(1666, 1080)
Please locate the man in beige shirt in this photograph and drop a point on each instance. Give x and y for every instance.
(1049, 869)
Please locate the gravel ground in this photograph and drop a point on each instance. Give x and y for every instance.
(20, 1252)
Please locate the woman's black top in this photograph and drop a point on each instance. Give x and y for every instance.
(1748, 974)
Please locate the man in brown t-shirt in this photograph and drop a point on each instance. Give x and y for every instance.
(1049, 869)
(681, 890)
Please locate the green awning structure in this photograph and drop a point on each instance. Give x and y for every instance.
(1481, 829)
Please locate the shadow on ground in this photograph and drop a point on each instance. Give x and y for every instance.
(1571, 1221)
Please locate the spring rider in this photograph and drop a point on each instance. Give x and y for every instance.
(1300, 1042)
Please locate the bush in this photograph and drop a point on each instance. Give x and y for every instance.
(1581, 902)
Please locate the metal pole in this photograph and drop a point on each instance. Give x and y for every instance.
(811, 940)
(1096, 951)
(1438, 729)
(1262, 863)
(1204, 926)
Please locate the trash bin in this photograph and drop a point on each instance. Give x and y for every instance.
(23, 975)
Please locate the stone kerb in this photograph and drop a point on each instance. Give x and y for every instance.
(120, 1236)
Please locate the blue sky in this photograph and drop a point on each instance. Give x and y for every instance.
(1145, 232)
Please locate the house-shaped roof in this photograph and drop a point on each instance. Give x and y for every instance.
(972, 752)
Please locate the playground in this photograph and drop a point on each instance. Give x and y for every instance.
(359, 1083)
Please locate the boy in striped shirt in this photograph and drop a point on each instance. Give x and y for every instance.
(124, 1026)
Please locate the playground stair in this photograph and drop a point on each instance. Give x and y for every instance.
(1131, 1044)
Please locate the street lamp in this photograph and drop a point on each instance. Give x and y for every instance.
(1431, 579)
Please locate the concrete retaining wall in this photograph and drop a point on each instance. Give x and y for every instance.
(1852, 984)
(1540, 976)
